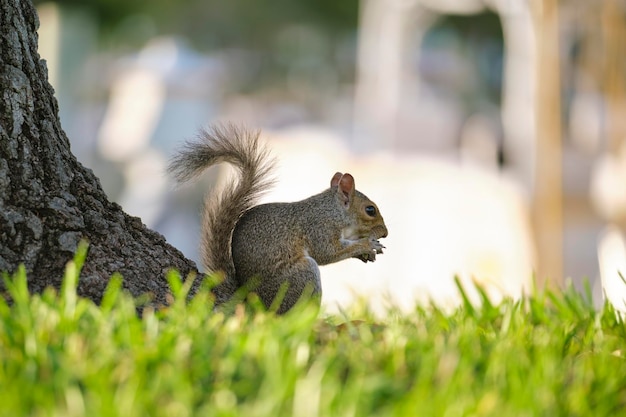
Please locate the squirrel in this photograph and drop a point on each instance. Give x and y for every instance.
(274, 248)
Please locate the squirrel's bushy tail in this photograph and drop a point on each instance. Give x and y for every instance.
(241, 148)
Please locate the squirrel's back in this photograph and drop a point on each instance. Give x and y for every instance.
(241, 148)
(285, 229)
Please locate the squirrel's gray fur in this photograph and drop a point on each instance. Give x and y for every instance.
(275, 248)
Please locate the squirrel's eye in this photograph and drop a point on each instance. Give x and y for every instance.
(370, 211)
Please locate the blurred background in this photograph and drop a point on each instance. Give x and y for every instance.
(491, 133)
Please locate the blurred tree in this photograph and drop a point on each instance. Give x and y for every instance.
(48, 200)
(548, 190)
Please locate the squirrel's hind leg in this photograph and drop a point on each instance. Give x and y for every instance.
(302, 278)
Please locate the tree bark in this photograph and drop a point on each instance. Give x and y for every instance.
(48, 200)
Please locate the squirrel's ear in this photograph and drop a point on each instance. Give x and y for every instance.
(346, 188)
(335, 180)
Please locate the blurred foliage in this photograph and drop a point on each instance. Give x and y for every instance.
(478, 39)
(208, 23)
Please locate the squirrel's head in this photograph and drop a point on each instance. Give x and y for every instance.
(369, 222)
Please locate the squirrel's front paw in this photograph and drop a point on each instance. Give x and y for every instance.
(375, 248)
(365, 257)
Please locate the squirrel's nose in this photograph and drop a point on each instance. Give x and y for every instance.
(381, 231)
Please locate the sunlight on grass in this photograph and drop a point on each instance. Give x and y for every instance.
(547, 354)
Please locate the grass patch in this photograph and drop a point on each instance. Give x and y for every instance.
(548, 354)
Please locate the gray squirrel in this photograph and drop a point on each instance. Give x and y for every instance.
(274, 248)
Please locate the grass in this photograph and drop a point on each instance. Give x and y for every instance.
(549, 354)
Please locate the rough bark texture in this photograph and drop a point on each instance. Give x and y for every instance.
(48, 200)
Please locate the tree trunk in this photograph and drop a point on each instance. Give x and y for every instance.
(48, 200)
(548, 189)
